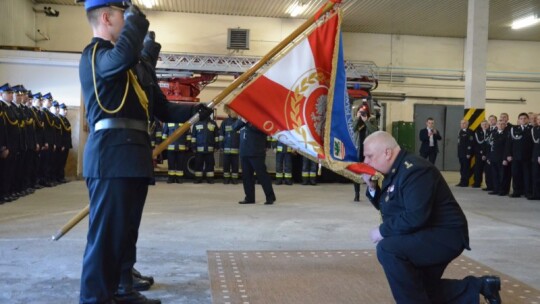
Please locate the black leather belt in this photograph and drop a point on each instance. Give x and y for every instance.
(121, 123)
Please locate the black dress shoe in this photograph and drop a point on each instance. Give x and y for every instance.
(138, 275)
(533, 198)
(503, 194)
(140, 284)
(270, 201)
(515, 195)
(493, 192)
(476, 186)
(461, 185)
(489, 288)
(235, 181)
(246, 202)
(356, 197)
(133, 297)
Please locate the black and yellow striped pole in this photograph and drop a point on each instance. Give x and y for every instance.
(475, 118)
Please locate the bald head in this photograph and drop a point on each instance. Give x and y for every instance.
(380, 151)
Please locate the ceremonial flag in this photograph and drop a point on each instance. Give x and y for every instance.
(301, 99)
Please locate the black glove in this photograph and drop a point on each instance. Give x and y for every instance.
(203, 110)
(150, 37)
(133, 10)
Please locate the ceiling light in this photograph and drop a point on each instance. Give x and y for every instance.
(148, 3)
(296, 8)
(524, 22)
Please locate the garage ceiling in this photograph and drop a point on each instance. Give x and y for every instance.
(438, 18)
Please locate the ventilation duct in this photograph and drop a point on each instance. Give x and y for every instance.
(238, 39)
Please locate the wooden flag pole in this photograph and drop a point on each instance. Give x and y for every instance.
(216, 101)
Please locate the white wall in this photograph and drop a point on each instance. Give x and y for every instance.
(195, 33)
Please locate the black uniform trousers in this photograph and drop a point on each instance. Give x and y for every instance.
(176, 161)
(464, 170)
(489, 176)
(414, 267)
(230, 165)
(521, 176)
(204, 164)
(497, 175)
(535, 179)
(116, 206)
(250, 166)
(479, 165)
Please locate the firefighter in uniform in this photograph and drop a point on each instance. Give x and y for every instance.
(497, 159)
(253, 145)
(58, 142)
(229, 141)
(519, 153)
(177, 152)
(19, 176)
(66, 141)
(309, 172)
(480, 153)
(204, 141)
(47, 153)
(39, 127)
(13, 142)
(118, 158)
(3, 147)
(535, 161)
(465, 142)
(423, 228)
(284, 155)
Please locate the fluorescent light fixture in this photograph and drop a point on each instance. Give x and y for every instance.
(524, 22)
(148, 3)
(296, 8)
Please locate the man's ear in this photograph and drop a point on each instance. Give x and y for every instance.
(105, 17)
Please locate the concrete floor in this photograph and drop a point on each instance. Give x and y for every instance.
(182, 222)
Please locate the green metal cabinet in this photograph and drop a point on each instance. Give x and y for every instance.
(403, 132)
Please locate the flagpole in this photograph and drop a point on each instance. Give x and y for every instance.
(215, 102)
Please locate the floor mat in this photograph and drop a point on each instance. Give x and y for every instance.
(346, 276)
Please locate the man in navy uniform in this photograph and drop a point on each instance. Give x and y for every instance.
(204, 140)
(13, 142)
(500, 169)
(535, 161)
(4, 151)
(66, 142)
(229, 141)
(518, 154)
(253, 145)
(429, 136)
(117, 159)
(39, 125)
(480, 153)
(177, 152)
(465, 142)
(423, 228)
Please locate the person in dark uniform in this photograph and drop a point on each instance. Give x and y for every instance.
(423, 228)
(309, 172)
(465, 142)
(177, 152)
(117, 162)
(66, 142)
(204, 141)
(480, 153)
(429, 136)
(365, 124)
(284, 155)
(492, 122)
(535, 161)
(19, 176)
(49, 140)
(253, 145)
(4, 150)
(229, 141)
(518, 151)
(58, 142)
(497, 159)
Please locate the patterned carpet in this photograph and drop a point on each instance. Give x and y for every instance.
(329, 277)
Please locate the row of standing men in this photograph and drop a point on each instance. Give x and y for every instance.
(206, 137)
(35, 138)
(507, 155)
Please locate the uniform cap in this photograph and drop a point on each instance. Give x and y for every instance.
(6, 88)
(63, 106)
(29, 93)
(93, 4)
(55, 104)
(37, 95)
(19, 88)
(48, 96)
